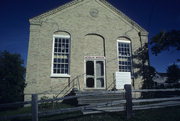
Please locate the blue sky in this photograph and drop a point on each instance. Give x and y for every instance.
(153, 15)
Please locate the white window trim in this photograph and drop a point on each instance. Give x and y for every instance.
(60, 75)
(94, 59)
(52, 61)
(62, 36)
(123, 41)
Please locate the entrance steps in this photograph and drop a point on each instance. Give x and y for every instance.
(101, 101)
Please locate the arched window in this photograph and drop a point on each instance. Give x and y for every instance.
(60, 55)
(124, 55)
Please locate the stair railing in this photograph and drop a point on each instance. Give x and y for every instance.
(113, 83)
(110, 85)
(75, 81)
(67, 86)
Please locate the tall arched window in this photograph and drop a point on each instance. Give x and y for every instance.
(60, 56)
(124, 55)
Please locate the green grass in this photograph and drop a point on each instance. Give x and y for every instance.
(23, 110)
(16, 111)
(163, 114)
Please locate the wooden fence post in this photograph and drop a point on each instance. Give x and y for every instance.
(34, 107)
(128, 97)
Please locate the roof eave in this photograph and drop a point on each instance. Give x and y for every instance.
(142, 30)
(36, 19)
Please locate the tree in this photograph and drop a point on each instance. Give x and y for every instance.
(164, 41)
(149, 73)
(146, 71)
(12, 77)
(173, 74)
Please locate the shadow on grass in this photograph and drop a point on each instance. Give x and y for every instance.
(78, 116)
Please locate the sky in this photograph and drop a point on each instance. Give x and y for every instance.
(152, 15)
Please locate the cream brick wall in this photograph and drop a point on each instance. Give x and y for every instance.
(77, 21)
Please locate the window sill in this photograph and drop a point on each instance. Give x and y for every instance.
(60, 76)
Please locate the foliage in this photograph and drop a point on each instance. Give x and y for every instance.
(173, 74)
(148, 74)
(165, 40)
(72, 102)
(45, 105)
(145, 70)
(12, 78)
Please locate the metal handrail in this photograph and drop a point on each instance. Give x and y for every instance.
(72, 81)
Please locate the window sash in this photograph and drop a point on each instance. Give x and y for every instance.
(60, 56)
(124, 56)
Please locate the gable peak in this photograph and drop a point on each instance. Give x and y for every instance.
(37, 19)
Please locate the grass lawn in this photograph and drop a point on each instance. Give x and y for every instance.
(163, 114)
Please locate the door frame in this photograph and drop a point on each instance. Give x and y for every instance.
(94, 58)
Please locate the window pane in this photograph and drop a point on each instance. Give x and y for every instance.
(58, 71)
(66, 71)
(90, 82)
(100, 82)
(90, 68)
(67, 40)
(55, 60)
(66, 60)
(63, 40)
(99, 68)
(54, 70)
(55, 49)
(55, 65)
(56, 40)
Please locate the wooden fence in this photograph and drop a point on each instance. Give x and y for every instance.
(130, 104)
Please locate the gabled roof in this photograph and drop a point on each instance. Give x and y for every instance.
(36, 20)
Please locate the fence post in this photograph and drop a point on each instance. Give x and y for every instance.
(34, 107)
(128, 97)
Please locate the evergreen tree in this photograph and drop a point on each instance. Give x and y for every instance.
(12, 77)
(164, 41)
(173, 74)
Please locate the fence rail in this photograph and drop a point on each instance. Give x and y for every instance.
(157, 90)
(15, 104)
(130, 104)
(15, 116)
(155, 99)
(157, 105)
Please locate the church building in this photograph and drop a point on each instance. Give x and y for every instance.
(86, 45)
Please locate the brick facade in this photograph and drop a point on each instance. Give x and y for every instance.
(94, 27)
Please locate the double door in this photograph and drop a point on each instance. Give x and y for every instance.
(95, 76)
